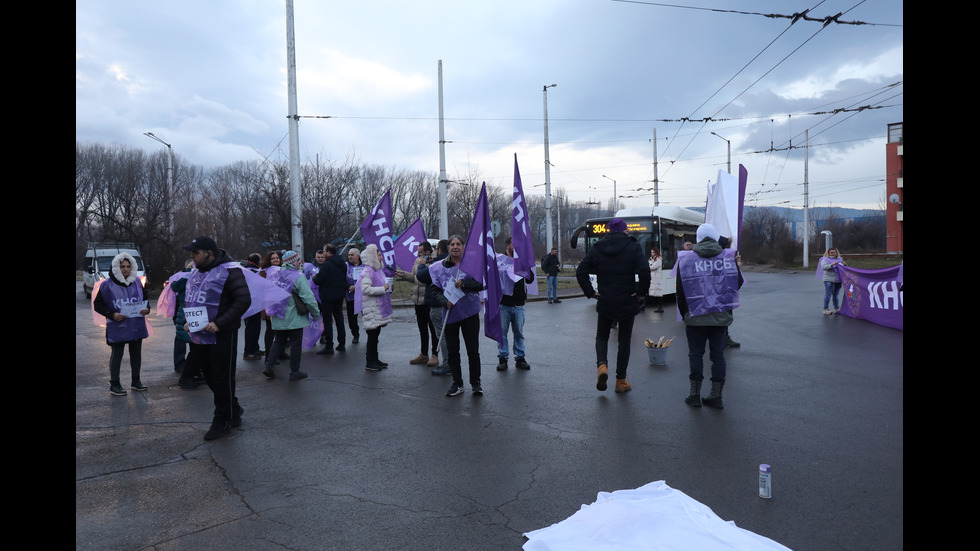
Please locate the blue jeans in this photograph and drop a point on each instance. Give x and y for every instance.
(830, 289)
(552, 287)
(697, 337)
(512, 317)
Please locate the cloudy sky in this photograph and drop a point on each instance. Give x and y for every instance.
(211, 79)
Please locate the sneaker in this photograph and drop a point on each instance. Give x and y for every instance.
(623, 386)
(116, 389)
(603, 376)
(502, 364)
(550, 301)
(341, 348)
(296, 375)
(269, 373)
(826, 311)
(356, 339)
(189, 383)
(444, 370)
(455, 390)
(420, 359)
(433, 361)
(136, 385)
(477, 390)
(374, 365)
(384, 365)
(251, 356)
(328, 349)
(557, 300)
(521, 363)
(217, 430)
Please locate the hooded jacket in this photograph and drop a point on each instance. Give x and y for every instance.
(621, 272)
(235, 297)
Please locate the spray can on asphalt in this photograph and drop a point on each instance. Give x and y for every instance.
(765, 481)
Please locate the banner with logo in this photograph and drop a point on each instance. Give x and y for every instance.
(873, 295)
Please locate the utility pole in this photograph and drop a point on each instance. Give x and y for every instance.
(656, 182)
(443, 196)
(296, 211)
(547, 171)
(806, 199)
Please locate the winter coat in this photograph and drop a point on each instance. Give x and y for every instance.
(549, 264)
(332, 278)
(656, 277)
(293, 319)
(235, 297)
(179, 287)
(617, 261)
(418, 287)
(370, 315)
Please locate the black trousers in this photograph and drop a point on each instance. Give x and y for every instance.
(604, 324)
(217, 363)
(470, 329)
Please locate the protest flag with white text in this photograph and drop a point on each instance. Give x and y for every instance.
(376, 230)
(480, 262)
(407, 245)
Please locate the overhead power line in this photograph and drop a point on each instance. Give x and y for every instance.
(799, 16)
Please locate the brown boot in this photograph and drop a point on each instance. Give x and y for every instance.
(433, 361)
(623, 386)
(420, 359)
(603, 375)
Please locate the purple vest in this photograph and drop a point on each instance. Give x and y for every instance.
(710, 283)
(129, 329)
(204, 289)
(284, 279)
(467, 306)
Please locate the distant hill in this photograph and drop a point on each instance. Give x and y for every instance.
(816, 213)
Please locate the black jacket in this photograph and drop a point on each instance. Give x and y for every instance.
(549, 264)
(617, 261)
(332, 278)
(235, 298)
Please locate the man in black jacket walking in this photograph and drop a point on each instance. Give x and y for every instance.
(623, 277)
(551, 266)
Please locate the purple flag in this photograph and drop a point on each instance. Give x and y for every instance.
(520, 231)
(873, 295)
(376, 230)
(480, 261)
(407, 245)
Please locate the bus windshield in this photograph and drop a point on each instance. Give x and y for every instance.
(667, 231)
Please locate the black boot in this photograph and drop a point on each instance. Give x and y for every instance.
(694, 398)
(713, 399)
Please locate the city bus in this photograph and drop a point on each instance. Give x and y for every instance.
(664, 227)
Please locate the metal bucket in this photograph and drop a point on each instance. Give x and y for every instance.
(658, 356)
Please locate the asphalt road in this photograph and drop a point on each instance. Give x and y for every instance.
(357, 460)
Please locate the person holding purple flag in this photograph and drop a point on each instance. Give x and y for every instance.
(217, 297)
(514, 295)
(831, 279)
(623, 277)
(708, 279)
(289, 319)
(121, 300)
(373, 302)
(458, 294)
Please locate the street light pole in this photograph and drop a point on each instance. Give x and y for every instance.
(614, 193)
(729, 153)
(547, 169)
(170, 183)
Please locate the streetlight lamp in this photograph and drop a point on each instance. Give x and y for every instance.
(547, 168)
(729, 153)
(614, 193)
(170, 182)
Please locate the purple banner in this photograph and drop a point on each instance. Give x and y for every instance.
(376, 230)
(407, 245)
(520, 231)
(873, 295)
(480, 261)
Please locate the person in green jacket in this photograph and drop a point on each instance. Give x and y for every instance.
(289, 322)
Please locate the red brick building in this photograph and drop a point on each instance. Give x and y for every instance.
(894, 238)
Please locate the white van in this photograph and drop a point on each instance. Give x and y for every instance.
(98, 263)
